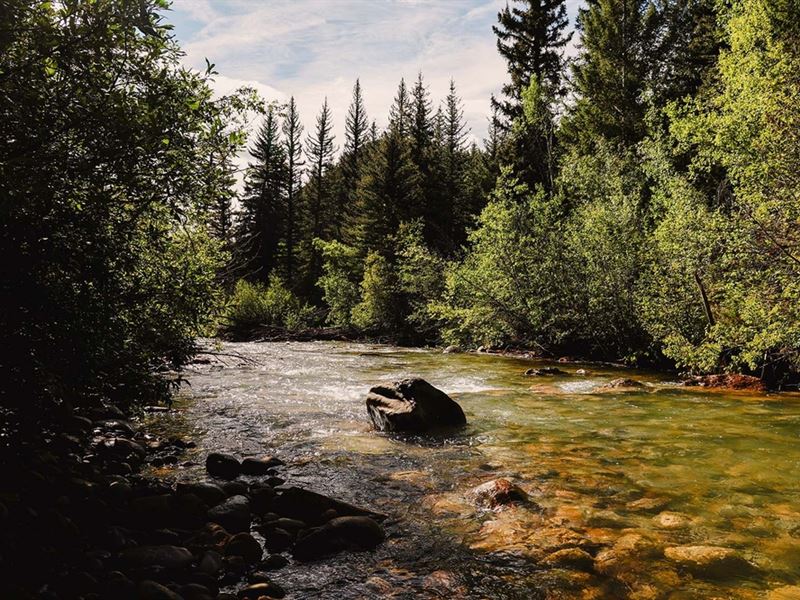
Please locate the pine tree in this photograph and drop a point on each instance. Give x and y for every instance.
(319, 218)
(454, 159)
(356, 138)
(619, 50)
(292, 132)
(421, 126)
(388, 193)
(400, 112)
(263, 220)
(531, 39)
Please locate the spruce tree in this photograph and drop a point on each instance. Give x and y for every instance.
(319, 218)
(388, 193)
(530, 37)
(292, 132)
(263, 220)
(356, 139)
(454, 167)
(400, 112)
(619, 50)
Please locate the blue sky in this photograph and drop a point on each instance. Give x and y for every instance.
(317, 48)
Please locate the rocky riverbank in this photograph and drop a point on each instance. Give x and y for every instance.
(81, 521)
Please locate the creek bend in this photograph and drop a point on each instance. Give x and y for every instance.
(608, 470)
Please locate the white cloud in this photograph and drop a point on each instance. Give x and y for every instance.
(314, 49)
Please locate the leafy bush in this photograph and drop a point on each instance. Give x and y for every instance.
(253, 305)
(112, 156)
(339, 285)
(378, 309)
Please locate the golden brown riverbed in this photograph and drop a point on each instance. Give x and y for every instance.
(617, 477)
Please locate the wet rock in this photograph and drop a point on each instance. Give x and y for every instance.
(452, 350)
(152, 511)
(647, 504)
(310, 507)
(257, 590)
(582, 372)
(224, 466)
(709, 561)
(246, 546)
(620, 383)
(570, 558)
(122, 447)
(150, 590)
(627, 554)
(731, 381)
(233, 514)
(211, 562)
(118, 586)
(273, 562)
(606, 519)
(168, 557)
(235, 488)
(412, 405)
(341, 533)
(261, 499)
(497, 493)
(196, 591)
(277, 539)
(210, 493)
(544, 372)
(260, 466)
(77, 424)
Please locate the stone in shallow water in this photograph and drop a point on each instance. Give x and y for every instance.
(621, 383)
(570, 558)
(672, 520)
(233, 514)
(497, 493)
(412, 405)
(709, 561)
(341, 533)
(224, 466)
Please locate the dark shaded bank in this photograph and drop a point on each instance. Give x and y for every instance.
(93, 513)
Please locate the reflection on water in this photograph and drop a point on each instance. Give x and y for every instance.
(619, 475)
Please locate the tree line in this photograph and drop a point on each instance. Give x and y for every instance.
(637, 201)
(634, 202)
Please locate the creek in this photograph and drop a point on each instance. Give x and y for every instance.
(655, 467)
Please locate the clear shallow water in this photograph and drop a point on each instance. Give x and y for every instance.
(713, 469)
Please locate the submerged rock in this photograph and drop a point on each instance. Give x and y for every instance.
(341, 533)
(260, 466)
(709, 561)
(412, 405)
(544, 372)
(497, 493)
(621, 383)
(315, 509)
(258, 590)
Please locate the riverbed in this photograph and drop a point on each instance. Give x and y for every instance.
(620, 474)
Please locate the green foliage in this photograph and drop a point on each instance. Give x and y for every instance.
(377, 310)
(254, 305)
(114, 159)
(339, 282)
(420, 272)
(507, 285)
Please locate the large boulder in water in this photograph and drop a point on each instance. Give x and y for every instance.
(412, 405)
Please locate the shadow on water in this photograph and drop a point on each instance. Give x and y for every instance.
(644, 469)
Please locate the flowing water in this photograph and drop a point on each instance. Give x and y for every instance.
(619, 474)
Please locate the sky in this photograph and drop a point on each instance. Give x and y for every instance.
(313, 49)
